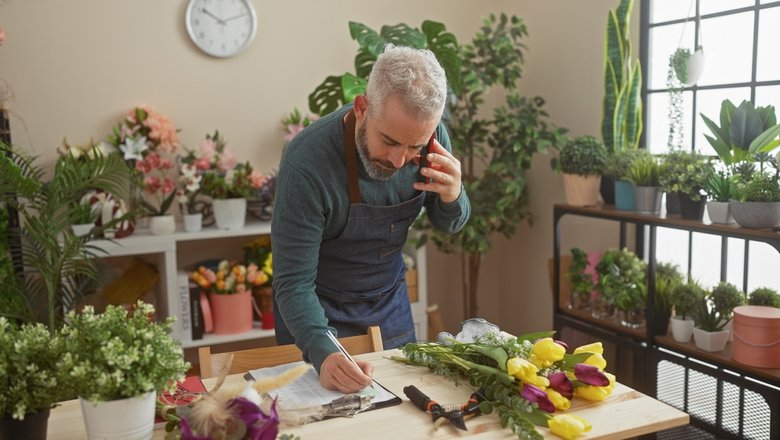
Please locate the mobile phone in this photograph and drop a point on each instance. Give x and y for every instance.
(424, 159)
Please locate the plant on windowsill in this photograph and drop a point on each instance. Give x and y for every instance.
(582, 284)
(725, 296)
(721, 188)
(686, 173)
(764, 296)
(644, 174)
(757, 201)
(581, 160)
(709, 334)
(622, 285)
(667, 278)
(684, 299)
(743, 132)
(616, 168)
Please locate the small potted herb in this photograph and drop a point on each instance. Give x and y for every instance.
(758, 201)
(709, 334)
(667, 278)
(685, 297)
(581, 160)
(622, 285)
(582, 284)
(82, 217)
(644, 174)
(616, 169)
(720, 188)
(764, 296)
(725, 296)
(684, 175)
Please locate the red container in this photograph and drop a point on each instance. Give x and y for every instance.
(231, 313)
(757, 336)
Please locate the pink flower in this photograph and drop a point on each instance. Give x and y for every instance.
(257, 179)
(168, 185)
(208, 148)
(203, 164)
(152, 184)
(561, 383)
(590, 375)
(166, 164)
(2, 35)
(292, 131)
(143, 166)
(227, 161)
(536, 395)
(154, 160)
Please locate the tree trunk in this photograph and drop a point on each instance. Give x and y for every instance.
(469, 263)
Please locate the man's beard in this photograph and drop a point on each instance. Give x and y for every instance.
(376, 169)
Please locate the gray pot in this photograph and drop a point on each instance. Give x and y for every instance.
(648, 199)
(719, 212)
(755, 215)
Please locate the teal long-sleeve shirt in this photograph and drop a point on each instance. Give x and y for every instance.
(311, 206)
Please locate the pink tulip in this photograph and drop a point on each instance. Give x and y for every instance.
(561, 383)
(590, 375)
(536, 395)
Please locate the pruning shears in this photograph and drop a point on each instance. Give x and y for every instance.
(453, 413)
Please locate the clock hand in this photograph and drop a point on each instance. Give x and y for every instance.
(207, 12)
(237, 16)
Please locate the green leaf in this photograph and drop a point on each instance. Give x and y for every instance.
(367, 38)
(634, 108)
(364, 62)
(570, 360)
(404, 35)
(496, 353)
(445, 46)
(536, 335)
(327, 97)
(766, 141)
(352, 86)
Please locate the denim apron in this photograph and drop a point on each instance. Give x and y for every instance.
(360, 275)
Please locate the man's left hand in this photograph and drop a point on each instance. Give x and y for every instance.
(443, 173)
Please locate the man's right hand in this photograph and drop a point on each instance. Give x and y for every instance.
(338, 373)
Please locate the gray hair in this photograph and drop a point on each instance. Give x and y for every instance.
(413, 74)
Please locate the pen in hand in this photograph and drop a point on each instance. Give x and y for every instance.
(344, 351)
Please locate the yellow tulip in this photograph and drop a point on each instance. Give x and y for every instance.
(520, 368)
(540, 381)
(561, 403)
(597, 361)
(595, 347)
(568, 426)
(547, 350)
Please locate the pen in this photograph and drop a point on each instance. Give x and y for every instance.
(344, 351)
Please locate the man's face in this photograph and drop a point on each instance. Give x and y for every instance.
(390, 139)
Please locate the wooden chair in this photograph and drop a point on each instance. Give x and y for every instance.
(211, 364)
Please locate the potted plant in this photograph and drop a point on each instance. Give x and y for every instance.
(616, 167)
(688, 66)
(725, 296)
(685, 175)
(709, 334)
(83, 216)
(744, 131)
(32, 379)
(685, 297)
(582, 284)
(581, 160)
(764, 296)
(757, 203)
(258, 253)
(667, 278)
(187, 194)
(622, 286)
(721, 188)
(118, 361)
(643, 174)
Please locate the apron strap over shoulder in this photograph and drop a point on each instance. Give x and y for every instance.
(350, 157)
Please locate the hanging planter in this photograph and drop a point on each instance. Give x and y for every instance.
(688, 66)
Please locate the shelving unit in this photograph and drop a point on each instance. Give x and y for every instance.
(724, 397)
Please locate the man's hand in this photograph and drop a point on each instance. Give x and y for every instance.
(443, 172)
(338, 373)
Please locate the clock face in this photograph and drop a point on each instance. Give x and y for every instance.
(221, 28)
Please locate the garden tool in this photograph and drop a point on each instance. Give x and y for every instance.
(454, 414)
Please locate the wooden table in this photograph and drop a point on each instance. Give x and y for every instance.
(626, 413)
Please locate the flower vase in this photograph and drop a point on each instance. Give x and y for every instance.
(162, 225)
(602, 308)
(580, 301)
(126, 419)
(229, 213)
(193, 222)
(232, 313)
(32, 427)
(82, 229)
(264, 296)
(634, 318)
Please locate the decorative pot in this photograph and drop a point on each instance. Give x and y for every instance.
(125, 419)
(162, 225)
(710, 341)
(719, 212)
(661, 322)
(648, 199)
(32, 427)
(264, 296)
(632, 318)
(624, 195)
(695, 67)
(82, 229)
(193, 222)
(229, 213)
(232, 313)
(602, 308)
(691, 209)
(579, 300)
(756, 336)
(682, 329)
(581, 190)
(755, 215)
(608, 190)
(672, 203)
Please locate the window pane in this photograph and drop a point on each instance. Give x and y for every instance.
(665, 10)
(664, 40)
(768, 67)
(727, 43)
(710, 6)
(708, 103)
(764, 261)
(763, 2)
(658, 121)
(672, 247)
(706, 259)
(768, 95)
(736, 262)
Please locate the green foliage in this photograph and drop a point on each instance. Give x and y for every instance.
(725, 296)
(644, 170)
(667, 278)
(336, 91)
(56, 261)
(743, 131)
(685, 298)
(679, 62)
(118, 354)
(622, 279)
(685, 172)
(760, 187)
(581, 281)
(708, 318)
(32, 378)
(621, 124)
(583, 155)
(721, 187)
(674, 84)
(764, 296)
(619, 163)
(12, 301)
(219, 186)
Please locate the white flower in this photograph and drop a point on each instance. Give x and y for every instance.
(193, 184)
(133, 148)
(103, 148)
(189, 171)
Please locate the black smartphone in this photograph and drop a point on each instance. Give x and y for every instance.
(424, 159)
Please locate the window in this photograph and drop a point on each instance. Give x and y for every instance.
(739, 39)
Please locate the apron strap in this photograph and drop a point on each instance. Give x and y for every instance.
(350, 157)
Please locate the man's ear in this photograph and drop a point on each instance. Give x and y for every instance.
(361, 107)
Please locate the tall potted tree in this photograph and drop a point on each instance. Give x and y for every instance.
(581, 160)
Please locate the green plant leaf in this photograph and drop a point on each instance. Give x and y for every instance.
(404, 35)
(364, 62)
(327, 97)
(445, 46)
(766, 141)
(367, 38)
(634, 108)
(352, 86)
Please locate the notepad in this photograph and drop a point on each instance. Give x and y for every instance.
(307, 390)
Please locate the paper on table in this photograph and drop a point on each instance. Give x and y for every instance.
(307, 390)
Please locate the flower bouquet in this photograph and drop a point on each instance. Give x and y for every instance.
(294, 123)
(258, 252)
(525, 379)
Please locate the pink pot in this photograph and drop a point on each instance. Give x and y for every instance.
(231, 313)
(757, 336)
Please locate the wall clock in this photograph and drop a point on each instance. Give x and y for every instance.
(221, 28)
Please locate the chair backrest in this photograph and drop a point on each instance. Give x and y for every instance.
(211, 364)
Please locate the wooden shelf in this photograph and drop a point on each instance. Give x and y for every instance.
(211, 339)
(612, 324)
(721, 358)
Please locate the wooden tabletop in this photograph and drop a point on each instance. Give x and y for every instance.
(626, 413)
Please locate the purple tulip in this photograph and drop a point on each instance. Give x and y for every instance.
(562, 344)
(535, 395)
(590, 375)
(259, 425)
(560, 382)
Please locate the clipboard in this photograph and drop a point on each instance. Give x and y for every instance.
(307, 390)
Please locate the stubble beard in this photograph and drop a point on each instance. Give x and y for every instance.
(376, 169)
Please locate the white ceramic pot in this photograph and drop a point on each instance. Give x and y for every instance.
(193, 222)
(229, 213)
(162, 225)
(123, 419)
(719, 212)
(682, 329)
(695, 67)
(82, 229)
(582, 190)
(710, 341)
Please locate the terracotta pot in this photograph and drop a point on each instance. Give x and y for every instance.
(757, 336)
(582, 190)
(231, 313)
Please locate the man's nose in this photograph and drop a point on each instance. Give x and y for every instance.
(398, 158)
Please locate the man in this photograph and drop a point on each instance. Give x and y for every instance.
(347, 192)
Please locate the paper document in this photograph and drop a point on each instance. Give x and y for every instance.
(307, 390)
